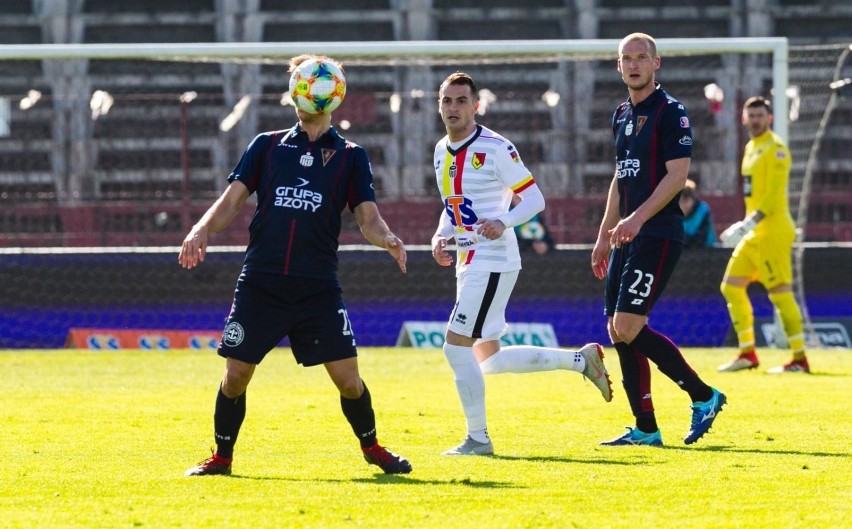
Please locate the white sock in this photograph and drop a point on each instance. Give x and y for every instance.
(528, 359)
(471, 388)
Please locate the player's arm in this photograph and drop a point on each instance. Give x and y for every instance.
(778, 163)
(439, 240)
(220, 214)
(376, 230)
(600, 252)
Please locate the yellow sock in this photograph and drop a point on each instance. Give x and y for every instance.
(742, 315)
(791, 317)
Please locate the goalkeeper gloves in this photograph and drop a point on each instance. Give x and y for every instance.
(735, 233)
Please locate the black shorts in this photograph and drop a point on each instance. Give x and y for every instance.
(268, 307)
(638, 273)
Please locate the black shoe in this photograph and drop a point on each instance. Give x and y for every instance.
(389, 462)
(215, 465)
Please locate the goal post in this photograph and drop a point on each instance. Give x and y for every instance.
(404, 51)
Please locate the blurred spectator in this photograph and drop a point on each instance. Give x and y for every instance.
(534, 235)
(698, 229)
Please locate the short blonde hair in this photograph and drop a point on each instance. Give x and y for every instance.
(299, 59)
(652, 44)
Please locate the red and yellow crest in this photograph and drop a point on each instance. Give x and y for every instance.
(478, 160)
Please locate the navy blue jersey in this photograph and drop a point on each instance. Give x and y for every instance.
(302, 188)
(646, 137)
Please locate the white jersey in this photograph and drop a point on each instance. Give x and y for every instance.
(476, 182)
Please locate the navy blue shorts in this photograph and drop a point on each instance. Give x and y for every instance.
(268, 307)
(638, 273)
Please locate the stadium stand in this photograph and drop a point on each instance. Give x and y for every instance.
(137, 174)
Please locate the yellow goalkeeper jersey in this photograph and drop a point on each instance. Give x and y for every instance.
(766, 172)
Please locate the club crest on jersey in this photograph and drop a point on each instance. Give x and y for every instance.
(640, 120)
(326, 155)
(628, 130)
(306, 160)
(478, 160)
(514, 154)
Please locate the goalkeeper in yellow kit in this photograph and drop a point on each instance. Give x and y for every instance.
(763, 242)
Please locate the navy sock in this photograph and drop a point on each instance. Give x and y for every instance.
(227, 420)
(359, 413)
(660, 350)
(637, 386)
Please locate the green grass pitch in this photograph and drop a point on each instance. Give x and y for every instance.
(102, 440)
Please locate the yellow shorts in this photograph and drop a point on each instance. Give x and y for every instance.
(764, 259)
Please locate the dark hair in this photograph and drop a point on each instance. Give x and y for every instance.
(462, 79)
(757, 102)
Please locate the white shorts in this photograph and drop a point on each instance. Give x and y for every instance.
(481, 299)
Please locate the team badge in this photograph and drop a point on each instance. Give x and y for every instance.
(478, 160)
(233, 335)
(326, 155)
(684, 122)
(514, 154)
(640, 120)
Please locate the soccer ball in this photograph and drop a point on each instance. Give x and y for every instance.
(317, 86)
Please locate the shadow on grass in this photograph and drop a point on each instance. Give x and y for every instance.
(557, 459)
(391, 479)
(757, 451)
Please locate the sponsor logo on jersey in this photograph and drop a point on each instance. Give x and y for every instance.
(780, 154)
(297, 197)
(326, 155)
(684, 122)
(628, 167)
(306, 160)
(686, 140)
(477, 160)
(460, 210)
(628, 130)
(233, 335)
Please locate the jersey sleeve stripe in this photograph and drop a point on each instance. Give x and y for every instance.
(525, 183)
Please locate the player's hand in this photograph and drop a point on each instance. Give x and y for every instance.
(600, 258)
(396, 248)
(439, 251)
(625, 231)
(490, 229)
(194, 248)
(736, 232)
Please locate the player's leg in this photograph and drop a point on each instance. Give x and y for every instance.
(588, 360)
(357, 405)
(635, 371)
(636, 380)
(740, 271)
(650, 264)
(323, 334)
(481, 299)
(252, 329)
(776, 274)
